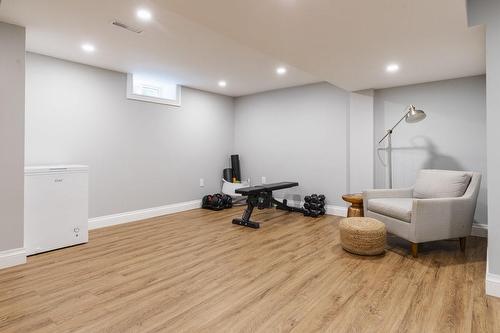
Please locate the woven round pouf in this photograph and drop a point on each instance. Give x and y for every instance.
(362, 235)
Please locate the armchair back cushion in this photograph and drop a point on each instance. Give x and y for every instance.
(441, 184)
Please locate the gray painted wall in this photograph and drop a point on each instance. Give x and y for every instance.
(487, 12)
(12, 41)
(141, 155)
(295, 134)
(453, 136)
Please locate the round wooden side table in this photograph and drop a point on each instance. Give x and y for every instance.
(356, 201)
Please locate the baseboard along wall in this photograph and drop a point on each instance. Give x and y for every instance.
(479, 230)
(13, 257)
(492, 282)
(330, 209)
(141, 214)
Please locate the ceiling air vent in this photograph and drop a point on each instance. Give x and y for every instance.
(126, 26)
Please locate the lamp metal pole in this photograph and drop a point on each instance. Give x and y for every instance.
(388, 135)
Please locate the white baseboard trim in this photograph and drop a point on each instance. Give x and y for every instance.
(330, 209)
(492, 284)
(142, 214)
(14, 257)
(479, 230)
(336, 210)
(492, 281)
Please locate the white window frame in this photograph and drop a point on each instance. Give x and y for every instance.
(131, 95)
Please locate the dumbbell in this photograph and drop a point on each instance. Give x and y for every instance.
(314, 206)
(228, 201)
(322, 211)
(210, 199)
(314, 213)
(307, 198)
(216, 202)
(307, 212)
(321, 197)
(307, 205)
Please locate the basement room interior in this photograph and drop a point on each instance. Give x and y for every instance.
(249, 166)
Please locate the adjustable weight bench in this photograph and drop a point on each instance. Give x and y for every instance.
(261, 196)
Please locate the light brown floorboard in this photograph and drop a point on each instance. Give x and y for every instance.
(196, 272)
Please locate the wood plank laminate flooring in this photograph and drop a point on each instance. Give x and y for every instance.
(196, 272)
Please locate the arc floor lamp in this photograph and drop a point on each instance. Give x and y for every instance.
(412, 115)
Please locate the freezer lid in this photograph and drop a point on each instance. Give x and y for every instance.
(55, 168)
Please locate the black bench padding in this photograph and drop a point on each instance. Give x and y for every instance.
(265, 188)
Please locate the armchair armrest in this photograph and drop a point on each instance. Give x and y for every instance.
(442, 218)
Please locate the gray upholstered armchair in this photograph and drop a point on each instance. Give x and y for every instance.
(441, 205)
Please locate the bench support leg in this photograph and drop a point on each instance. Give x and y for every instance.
(245, 219)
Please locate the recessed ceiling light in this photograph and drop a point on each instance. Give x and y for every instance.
(144, 14)
(89, 48)
(392, 68)
(222, 83)
(281, 70)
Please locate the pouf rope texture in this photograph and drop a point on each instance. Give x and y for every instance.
(362, 235)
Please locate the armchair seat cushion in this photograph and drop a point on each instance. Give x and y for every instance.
(398, 208)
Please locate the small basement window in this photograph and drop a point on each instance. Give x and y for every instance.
(149, 89)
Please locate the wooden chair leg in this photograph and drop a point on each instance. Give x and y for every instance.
(414, 250)
(462, 243)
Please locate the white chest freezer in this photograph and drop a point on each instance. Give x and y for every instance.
(55, 207)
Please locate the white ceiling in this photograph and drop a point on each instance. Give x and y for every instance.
(199, 42)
